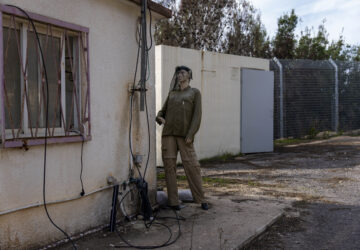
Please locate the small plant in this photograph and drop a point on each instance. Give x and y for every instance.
(161, 176)
(287, 141)
(252, 183)
(312, 133)
(340, 132)
(224, 157)
(326, 135)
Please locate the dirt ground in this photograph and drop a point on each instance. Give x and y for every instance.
(317, 181)
(323, 171)
(319, 178)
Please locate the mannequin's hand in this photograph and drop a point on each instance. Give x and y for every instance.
(160, 120)
(188, 141)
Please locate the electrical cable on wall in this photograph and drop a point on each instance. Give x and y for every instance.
(82, 193)
(140, 183)
(46, 124)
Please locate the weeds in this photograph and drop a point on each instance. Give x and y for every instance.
(288, 141)
(219, 158)
(214, 181)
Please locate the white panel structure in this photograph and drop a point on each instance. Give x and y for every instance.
(218, 77)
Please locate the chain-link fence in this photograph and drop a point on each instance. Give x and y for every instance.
(313, 96)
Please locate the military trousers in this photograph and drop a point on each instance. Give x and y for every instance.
(170, 146)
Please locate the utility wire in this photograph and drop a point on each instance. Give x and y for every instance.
(146, 106)
(132, 101)
(167, 243)
(140, 188)
(46, 124)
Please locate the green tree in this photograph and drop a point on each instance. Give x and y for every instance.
(314, 47)
(338, 50)
(318, 47)
(195, 24)
(247, 35)
(357, 53)
(235, 27)
(304, 45)
(228, 26)
(354, 52)
(284, 42)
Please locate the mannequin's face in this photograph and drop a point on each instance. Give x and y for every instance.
(183, 75)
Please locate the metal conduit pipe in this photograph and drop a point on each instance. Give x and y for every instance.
(53, 202)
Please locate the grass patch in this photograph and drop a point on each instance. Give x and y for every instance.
(313, 137)
(221, 158)
(252, 183)
(161, 176)
(208, 180)
(214, 181)
(289, 141)
(220, 181)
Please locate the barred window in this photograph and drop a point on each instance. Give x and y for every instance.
(23, 89)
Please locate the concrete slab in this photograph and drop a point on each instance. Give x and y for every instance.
(230, 223)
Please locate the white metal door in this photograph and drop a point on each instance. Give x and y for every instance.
(257, 102)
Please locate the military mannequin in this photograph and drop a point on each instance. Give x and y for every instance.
(181, 117)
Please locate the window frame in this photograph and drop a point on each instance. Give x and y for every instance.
(23, 36)
(85, 125)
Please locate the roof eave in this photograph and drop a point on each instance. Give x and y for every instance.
(158, 8)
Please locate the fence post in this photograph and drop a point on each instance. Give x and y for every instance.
(336, 113)
(281, 97)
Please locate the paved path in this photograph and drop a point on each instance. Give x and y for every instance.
(228, 224)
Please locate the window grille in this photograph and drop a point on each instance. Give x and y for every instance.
(23, 87)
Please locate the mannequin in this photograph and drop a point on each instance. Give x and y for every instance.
(181, 117)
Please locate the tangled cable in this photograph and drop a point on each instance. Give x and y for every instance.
(140, 183)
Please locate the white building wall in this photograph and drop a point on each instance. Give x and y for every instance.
(217, 76)
(113, 50)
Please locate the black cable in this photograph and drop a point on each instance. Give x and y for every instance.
(122, 208)
(82, 193)
(131, 105)
(128, 244)
(148, 225)
(149, 143)
(139, 32)
(156, 217)
(147, 64)
(138, 35)
(46, 123)
(167, 243)
(82, 165)
(142, 189)
(151, 40)
(172, 218)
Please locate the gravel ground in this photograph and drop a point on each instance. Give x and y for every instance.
(319, 180)
(324, 171)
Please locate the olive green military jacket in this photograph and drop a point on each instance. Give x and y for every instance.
(182, 113)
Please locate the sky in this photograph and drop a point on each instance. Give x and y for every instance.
(342, 16)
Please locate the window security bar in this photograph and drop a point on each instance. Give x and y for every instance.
(23, 88)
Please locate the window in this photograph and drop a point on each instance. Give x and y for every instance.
(23, 90)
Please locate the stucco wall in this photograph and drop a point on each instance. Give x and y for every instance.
(217, 76)
(113, 49)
